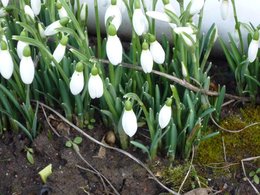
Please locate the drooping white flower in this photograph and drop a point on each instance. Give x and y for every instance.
(114, 47)
(6, 61)
(26, 67)
(114, 11)
(253, 47)
(83, 12)
(156, 50)
(184, 70)
(146, 58)
(165, 114)
(77, 80)
(196, 6)
(61, 11)
(41, 30)
(52, 28)
(28, 11)
(129, 120)
(5, 2)
(59, 52)
(187, 34)
(140, 22)
(95, 84)
(36, 6)
(224, 9)
(21, 45)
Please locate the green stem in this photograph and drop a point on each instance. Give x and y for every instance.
(237, 23)
(98, 31)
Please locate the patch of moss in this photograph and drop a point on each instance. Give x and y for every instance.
(237, 145)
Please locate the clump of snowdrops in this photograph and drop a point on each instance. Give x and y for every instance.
(46, 56)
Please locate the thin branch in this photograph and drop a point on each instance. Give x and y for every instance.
(185, 178)
(181, 82)
(233, 131)
(109, 147)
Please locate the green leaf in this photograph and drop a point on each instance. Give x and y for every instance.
(29, 157)
(256, 179)
(141, 146)
(77, 140)
(258, 171)
(68, 144)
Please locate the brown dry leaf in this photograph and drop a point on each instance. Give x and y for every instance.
(198, 191)
(102, 150)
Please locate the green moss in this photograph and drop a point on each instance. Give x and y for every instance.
(237, 145)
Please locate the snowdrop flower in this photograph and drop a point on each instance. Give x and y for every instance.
(114, 47)
(224, 9)
(61, 11)
(6, 62)
(5, 2)
(146, 58)
(129, 120)
(21, 45)
(187, 34)
(184, 70)
(77, 79)
(196, 6)
(140, 22)
(253, 47)
(28, 11)
(36, 6)
(114, 11)
(83, 12)
(41, 30)
(165, 114)
(95, 84)
(59, 52)
(27, 68)
(52, 28)
(156, 50)
(159, 16)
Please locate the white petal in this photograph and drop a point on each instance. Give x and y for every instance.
(179, 30)
(59, 52)
(5, 2)
(129, 122)
(146, 60)
(158, 16)
(77, 82)
(83, 12)
(165, 116)
(36, 6)
(196, 6)
(95, 86)
(28, 10)
(20, 47)
(62, 13)
(121, 5)
(51, 29)
(169, 7)
(27, 70)
(253, 50)
(41, 31)
(224, 9)
(186, 30)
(114, 11)
(6, 64)
(157, 52)
(140, 22)
(114, 50)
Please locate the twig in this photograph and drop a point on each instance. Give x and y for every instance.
(244, 171)
(185, 178)
(109, 147)
(98, 173)
(224, 149)
(47, 119)
(233, 131)
(181, 82)
(222, 167)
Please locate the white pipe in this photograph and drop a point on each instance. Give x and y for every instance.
(247, 11)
